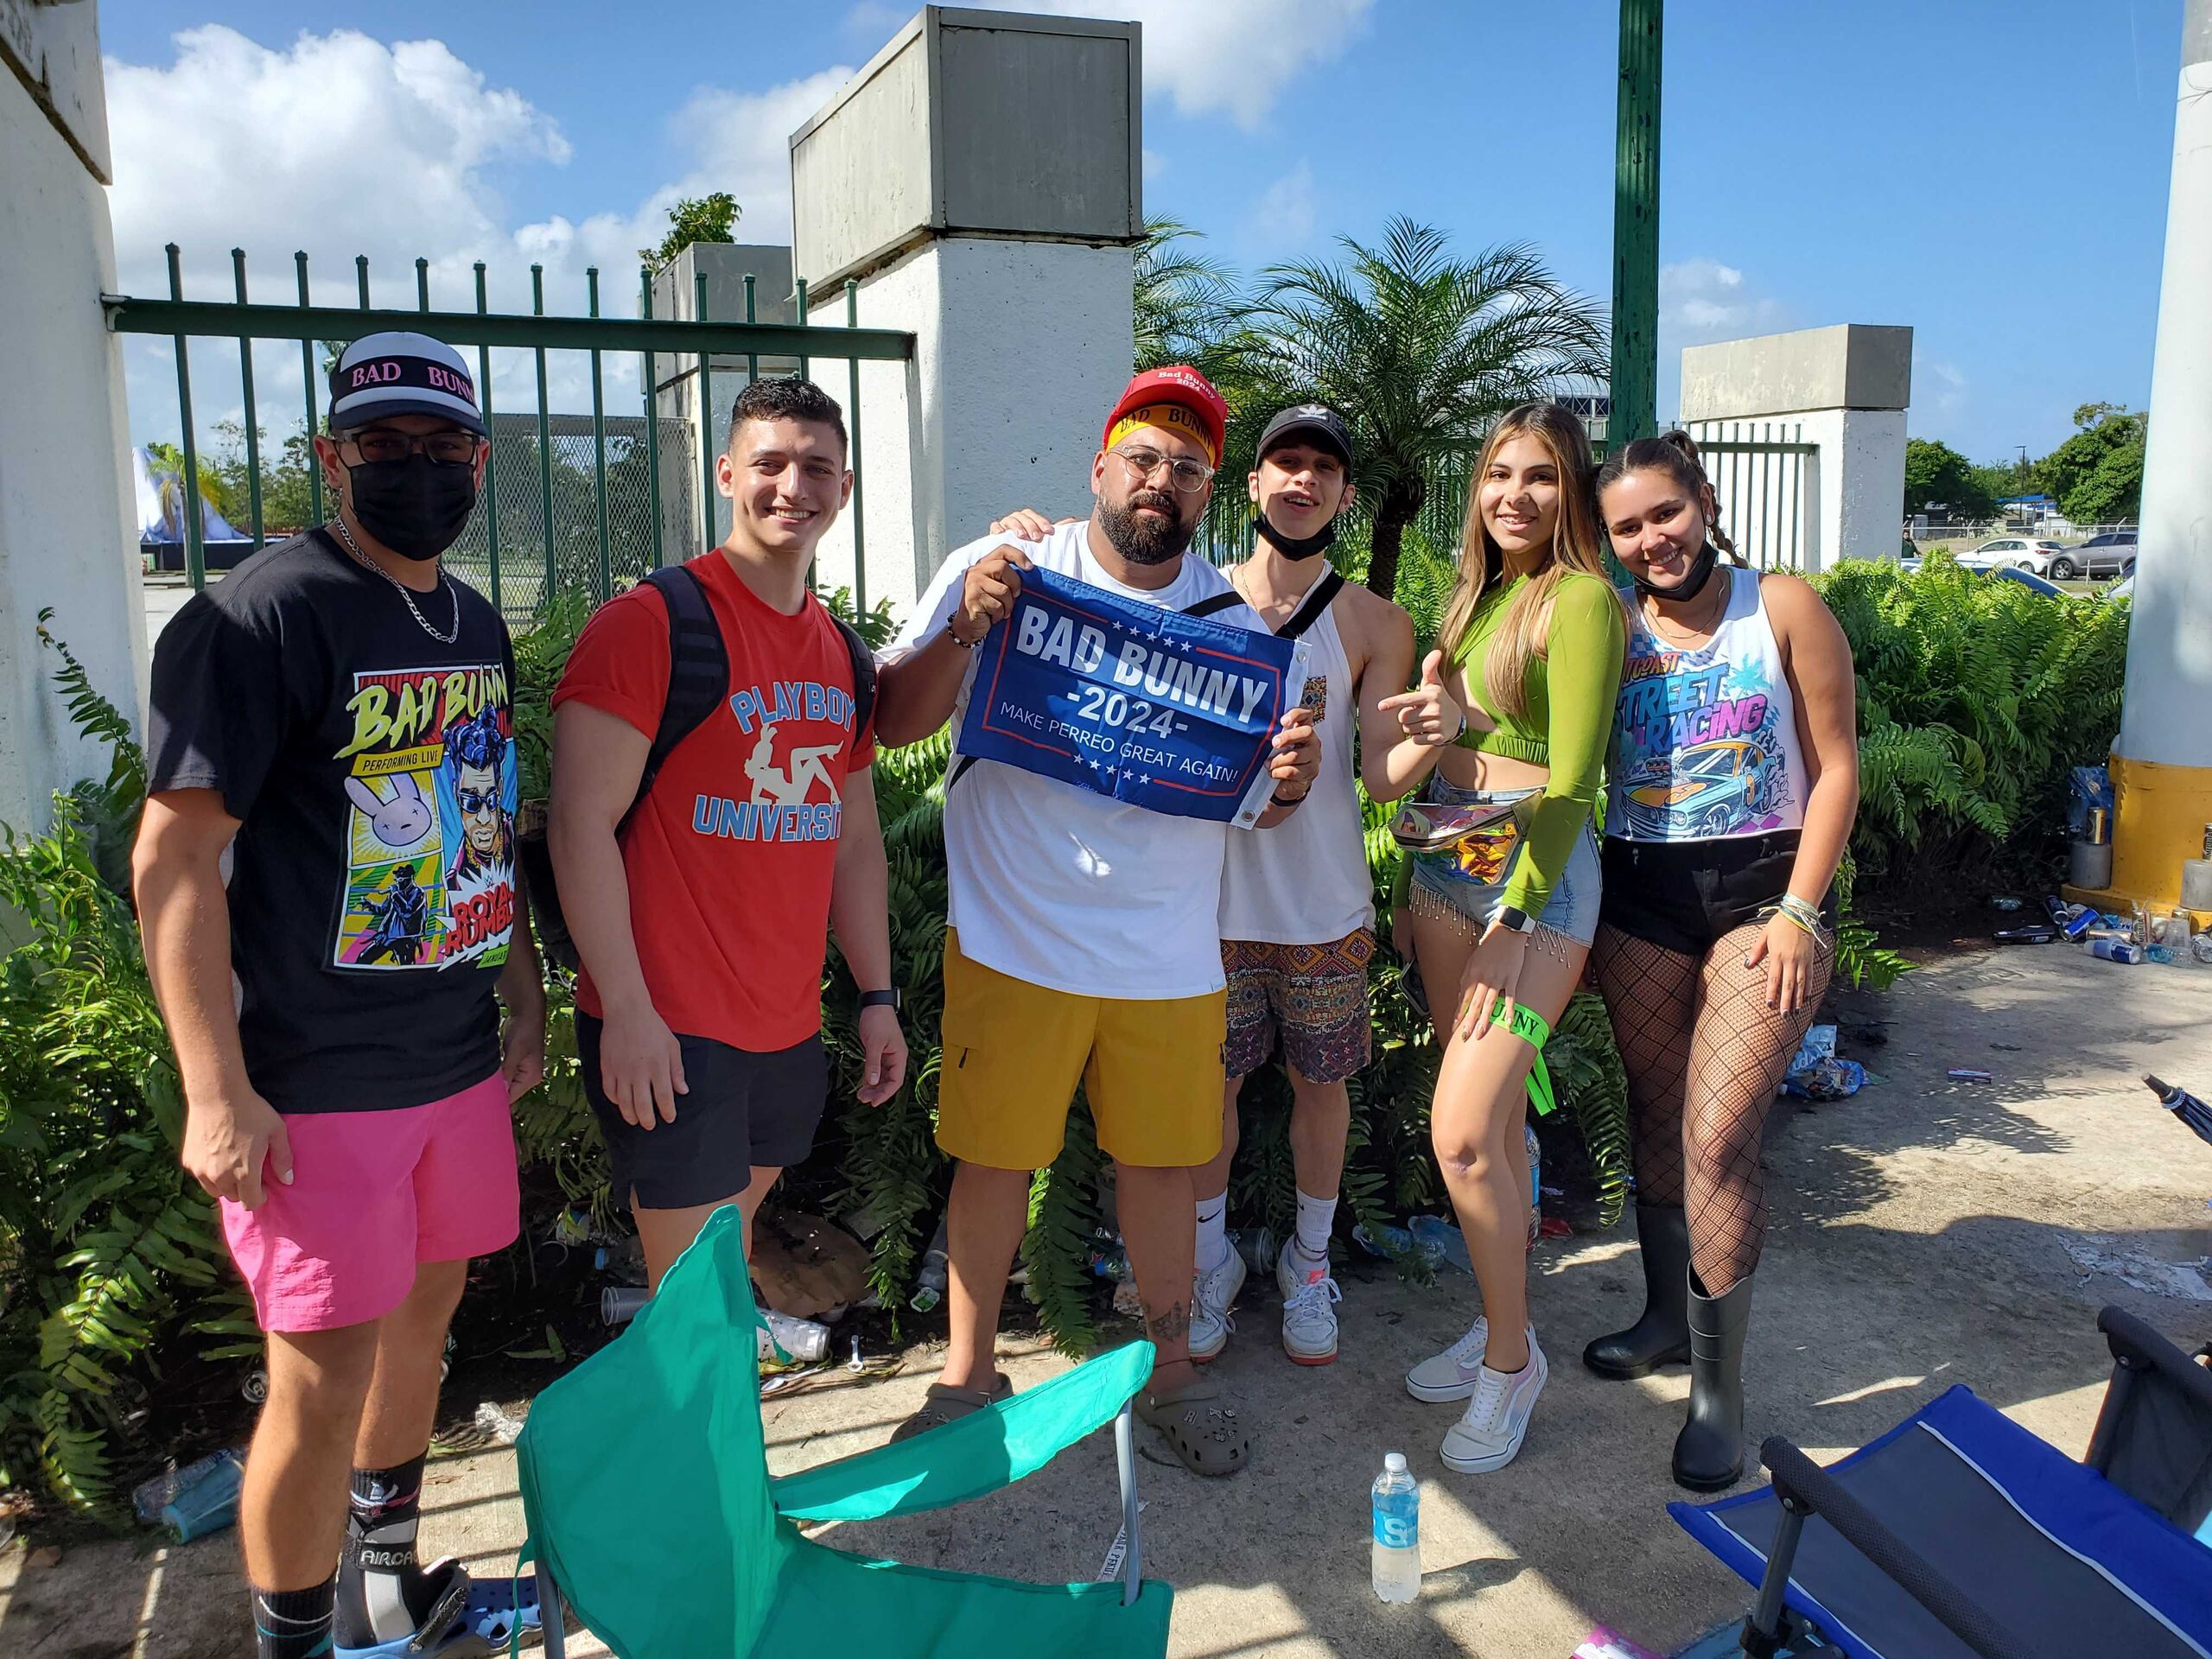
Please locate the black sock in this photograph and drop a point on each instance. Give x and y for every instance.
(293, 1624)
(382, 1592)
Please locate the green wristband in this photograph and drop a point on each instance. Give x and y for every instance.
(1533, 1029)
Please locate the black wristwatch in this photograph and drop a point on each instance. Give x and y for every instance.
(886, 999)
(1515, 921)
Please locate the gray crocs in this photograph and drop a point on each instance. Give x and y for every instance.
(945, 1402)
(1199, 1429)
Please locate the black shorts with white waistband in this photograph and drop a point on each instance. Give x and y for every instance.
(1683, 895)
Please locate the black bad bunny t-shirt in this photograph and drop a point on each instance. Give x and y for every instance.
(372, 771)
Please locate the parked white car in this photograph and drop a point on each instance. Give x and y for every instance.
(2019, 553)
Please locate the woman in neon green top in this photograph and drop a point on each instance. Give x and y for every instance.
(1515, 707)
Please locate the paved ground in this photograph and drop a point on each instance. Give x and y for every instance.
(1927, 1233)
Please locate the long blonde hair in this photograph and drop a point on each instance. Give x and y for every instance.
(1575, 547)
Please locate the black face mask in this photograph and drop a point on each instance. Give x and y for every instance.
(1690, 586)
(417, 507)
(1297, 547)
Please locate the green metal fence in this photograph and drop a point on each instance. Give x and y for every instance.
(572, 501)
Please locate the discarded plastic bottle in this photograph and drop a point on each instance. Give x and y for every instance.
(153, 1497)
(1397, 1555)
(209, 1504)
(2116, 951)
(930, 1283)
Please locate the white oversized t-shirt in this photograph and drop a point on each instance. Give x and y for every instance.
(1053, 884)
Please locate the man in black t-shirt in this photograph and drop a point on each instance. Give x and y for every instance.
(335, 721)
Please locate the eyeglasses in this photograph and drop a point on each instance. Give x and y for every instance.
(477, 800)
(382, 443)
(1187, 474)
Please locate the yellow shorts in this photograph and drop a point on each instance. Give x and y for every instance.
(1014, 1052)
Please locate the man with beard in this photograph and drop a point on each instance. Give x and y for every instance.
(1083, 945)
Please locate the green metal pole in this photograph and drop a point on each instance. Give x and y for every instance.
(361, 278)
(652, 416)
(597, 442)
(307, 383)
(195, 555)
(544, 445)
(752, 358)
(491, 453)
(1635, 227)
(245, 385)
(853, 421)
(805, 371)
(706, 422)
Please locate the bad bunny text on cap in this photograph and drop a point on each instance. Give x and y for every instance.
(382, 375)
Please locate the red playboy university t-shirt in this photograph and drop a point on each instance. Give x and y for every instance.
(730, 858)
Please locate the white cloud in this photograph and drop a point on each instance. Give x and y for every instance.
(1155, 164)
(342, 145)
(1941, 393)
(1702, 300)
(871, 22)
(1283, 216)
(1228, 57)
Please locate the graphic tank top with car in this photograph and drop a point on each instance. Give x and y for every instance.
(1704, 743)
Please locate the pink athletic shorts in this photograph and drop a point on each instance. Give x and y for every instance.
(373, 1194)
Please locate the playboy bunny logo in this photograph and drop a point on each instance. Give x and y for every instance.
(399, 822)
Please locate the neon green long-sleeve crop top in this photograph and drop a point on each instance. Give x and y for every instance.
(1571, 688)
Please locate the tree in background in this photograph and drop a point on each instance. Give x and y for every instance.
(1937, 477)
(694, 218)
(2096, 476)
(1420, 353)
(287, 501)
(1185, 306)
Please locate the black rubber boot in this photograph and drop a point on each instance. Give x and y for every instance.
(1709, 1452)
(1662, 1336)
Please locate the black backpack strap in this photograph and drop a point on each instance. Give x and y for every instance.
(863, 675)
(698, 672)
(1213, 602)
(1317, 600)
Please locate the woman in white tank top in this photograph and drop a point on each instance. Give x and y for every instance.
(1733, 784)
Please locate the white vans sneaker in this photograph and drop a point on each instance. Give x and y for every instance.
(1497, 1421)
(1309, 1314)
(1213, 1292)
(1452, 1373)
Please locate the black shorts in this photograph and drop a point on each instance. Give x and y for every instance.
(1683, 895)
(742, 1109)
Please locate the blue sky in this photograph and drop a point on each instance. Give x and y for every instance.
(1992, 173)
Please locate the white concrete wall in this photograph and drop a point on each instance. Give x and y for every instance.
(2169, 636)
(67, 533)
(1021, 347)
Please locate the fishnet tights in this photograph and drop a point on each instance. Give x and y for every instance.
(1704, 1055)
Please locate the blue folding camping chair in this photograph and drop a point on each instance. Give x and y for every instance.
(1959, 1533)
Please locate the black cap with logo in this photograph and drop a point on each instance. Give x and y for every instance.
(1316, 423)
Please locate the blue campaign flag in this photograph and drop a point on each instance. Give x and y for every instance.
(1165, 711)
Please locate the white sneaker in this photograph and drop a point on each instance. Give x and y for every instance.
(1497, 1421)
(1452, 1373)
(1213, 1292)
(1309, 1317)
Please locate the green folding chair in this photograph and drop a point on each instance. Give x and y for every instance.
(646, 1489)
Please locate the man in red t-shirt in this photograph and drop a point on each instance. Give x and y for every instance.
(702, 926)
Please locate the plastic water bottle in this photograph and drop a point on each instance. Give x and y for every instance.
(929, 1283)
(1397, 1532)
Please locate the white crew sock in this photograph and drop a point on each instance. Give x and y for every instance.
(1317, 1217)
(1213, 1232)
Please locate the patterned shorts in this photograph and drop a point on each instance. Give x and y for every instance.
(1314, 996)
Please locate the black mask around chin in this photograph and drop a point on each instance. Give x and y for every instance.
(417, 506)
(1142, 541)
(1690, 586)
(1298, 547)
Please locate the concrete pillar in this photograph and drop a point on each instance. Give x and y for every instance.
(67, 528)
(2162, 761)
(981, 176)
(1843, 389)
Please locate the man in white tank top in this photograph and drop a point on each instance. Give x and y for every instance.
(1297, 903)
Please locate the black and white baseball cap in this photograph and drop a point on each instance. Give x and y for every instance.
(399, 373)
(1315, 423)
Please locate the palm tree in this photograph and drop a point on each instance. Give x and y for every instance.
(1184, 306)
(1420, 353)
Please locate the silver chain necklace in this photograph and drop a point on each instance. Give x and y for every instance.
(451, 634)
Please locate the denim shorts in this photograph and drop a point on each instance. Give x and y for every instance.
(1441, 881)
